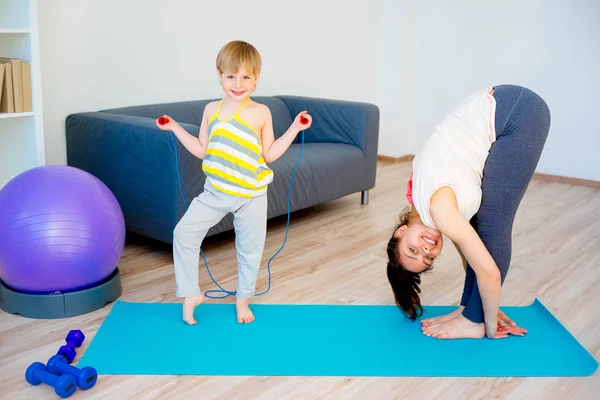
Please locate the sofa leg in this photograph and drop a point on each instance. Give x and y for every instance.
(364, 197)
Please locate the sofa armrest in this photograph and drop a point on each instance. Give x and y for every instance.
(139, 164)
(338, 121)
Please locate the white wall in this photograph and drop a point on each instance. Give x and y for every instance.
(396, 76)
(464, 45)
(414, 60)
(109, 53)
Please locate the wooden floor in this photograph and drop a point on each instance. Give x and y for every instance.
(335, 254)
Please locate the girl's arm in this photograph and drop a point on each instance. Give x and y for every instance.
(445, 214)
(195, 145)
(273, 149)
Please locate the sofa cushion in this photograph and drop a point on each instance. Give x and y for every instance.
(326, 171)
(282, 119)
(190, 112)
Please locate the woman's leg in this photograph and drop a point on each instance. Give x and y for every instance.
(522, 125)
(469, 273)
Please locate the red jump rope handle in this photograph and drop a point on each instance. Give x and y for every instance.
(163, 120)
(303, 120)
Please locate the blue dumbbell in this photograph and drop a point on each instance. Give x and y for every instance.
(74, 339)
(86, 376)
(64, 386)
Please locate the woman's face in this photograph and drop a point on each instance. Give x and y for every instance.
(418, 246)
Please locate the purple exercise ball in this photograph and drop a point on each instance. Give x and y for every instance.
(61, 230)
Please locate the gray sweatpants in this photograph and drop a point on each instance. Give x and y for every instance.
(205, 211)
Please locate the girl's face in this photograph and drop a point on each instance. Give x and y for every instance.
(418, 246)
(238, 85)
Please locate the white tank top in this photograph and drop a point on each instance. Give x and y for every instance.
(454, 156)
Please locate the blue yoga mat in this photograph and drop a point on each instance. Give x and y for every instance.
(324, 340)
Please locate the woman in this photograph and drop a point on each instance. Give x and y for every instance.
(467, 183)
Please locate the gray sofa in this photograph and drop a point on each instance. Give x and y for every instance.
(151, 173)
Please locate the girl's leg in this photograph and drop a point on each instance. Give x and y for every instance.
(522, 125)
(250, 223)
(187, 238)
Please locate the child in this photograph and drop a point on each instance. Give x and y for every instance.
(235, 141)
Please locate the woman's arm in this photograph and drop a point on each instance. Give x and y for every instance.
(445, 214)
(462, 256)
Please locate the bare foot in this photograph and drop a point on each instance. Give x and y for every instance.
(443, 318)
(244, 315)
(189, 304)
(456, 328)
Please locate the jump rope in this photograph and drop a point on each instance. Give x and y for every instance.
(224, 293)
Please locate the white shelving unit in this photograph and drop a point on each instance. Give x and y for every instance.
(21, 134)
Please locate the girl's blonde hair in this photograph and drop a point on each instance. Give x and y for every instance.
(237, 54)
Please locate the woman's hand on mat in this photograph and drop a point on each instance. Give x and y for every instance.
(511, 330)
(504, 327)
(497, 335)
(502, 332)
(493, 333)
(504, 320)
(507, 325)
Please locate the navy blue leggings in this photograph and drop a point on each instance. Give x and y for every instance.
(522, 125)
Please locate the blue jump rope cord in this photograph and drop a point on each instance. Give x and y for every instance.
(227, 293)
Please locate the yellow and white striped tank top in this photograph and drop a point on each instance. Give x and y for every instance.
(234, 162)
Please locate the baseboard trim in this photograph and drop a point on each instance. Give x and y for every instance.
(538, 176)
(565, 179)
(395, 160)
